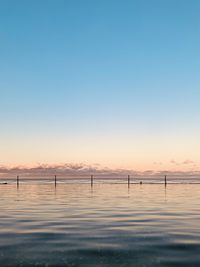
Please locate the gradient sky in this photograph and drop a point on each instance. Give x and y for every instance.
(109, 82)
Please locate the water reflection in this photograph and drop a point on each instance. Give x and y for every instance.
(99, 225)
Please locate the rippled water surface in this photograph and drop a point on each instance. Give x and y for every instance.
(106, 225)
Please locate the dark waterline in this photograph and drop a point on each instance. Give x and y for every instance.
(104, 225)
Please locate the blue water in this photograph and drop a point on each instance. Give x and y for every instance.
(106, 225)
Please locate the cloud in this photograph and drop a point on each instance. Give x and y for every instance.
(65, 170)
(157, 163)
(174, 162)
(83, 170)
(187, 161)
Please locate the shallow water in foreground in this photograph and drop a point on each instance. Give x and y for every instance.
(107, 225)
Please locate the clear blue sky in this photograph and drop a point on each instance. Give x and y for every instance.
(89, 80)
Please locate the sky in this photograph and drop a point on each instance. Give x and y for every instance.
(107, 83)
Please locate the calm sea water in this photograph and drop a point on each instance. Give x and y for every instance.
(105, 226)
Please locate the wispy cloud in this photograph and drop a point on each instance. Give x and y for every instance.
(188, 161)
(174, 162)
(185, 162)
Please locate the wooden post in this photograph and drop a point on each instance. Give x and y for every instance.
(55, 180)
(165, 180)
(128, 180)
(17, 180)
(92, 178)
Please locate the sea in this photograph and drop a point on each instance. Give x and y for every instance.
(105, 224)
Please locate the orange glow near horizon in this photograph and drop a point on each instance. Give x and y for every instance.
(126, 152)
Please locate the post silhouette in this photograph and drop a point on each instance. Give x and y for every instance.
(17, 180)
(55, 180)
(165, 180)
(92, 178)
(128, 180)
